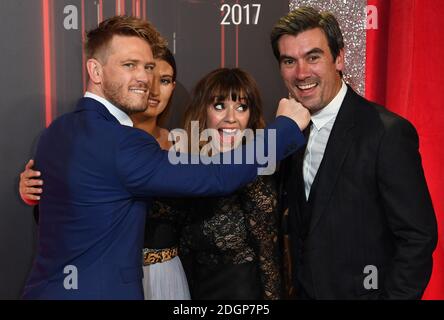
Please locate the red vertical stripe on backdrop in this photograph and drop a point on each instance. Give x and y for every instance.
(47, 60)
(120, 7)
(83, 43)
(404, 60)
(222, 41)
(53, 58)
(100, 11)
(144, 9)
(138, 9)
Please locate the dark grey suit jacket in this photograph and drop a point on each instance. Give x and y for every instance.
(369, 205)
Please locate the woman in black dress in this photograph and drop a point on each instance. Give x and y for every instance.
(229, 245)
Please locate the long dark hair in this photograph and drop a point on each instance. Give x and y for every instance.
(166, 55)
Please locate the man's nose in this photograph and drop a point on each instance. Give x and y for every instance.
(302, 70)
(144, 76)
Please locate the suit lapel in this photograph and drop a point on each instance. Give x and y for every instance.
(339, 142)
(299, 186)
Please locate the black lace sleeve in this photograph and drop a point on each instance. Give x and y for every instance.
(260, 205)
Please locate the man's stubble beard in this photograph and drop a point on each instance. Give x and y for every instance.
(113, 93)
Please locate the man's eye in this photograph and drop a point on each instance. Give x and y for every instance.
(242, 108)
(313, 58)
(129, 65)
(288, 61)
(149, 67)
(218, 106)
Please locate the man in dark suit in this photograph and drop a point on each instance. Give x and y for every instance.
(360, 219)
(100, 173)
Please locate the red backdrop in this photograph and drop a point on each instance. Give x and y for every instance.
(404, 72)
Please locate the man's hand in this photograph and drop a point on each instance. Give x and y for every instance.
(30, 188)
(295, 111)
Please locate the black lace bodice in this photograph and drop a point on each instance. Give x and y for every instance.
(235, 230)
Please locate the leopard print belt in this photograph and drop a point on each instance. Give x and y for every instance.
(152, 256)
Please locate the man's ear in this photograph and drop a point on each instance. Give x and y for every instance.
(95, 70)
(340, 60)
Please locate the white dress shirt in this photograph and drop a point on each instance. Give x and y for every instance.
(121, 116)
(322, 123)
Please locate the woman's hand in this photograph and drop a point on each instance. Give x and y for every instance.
(29, 186)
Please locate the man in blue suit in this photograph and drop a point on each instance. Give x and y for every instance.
(100, 173)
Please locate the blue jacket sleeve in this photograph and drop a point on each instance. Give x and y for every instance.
(146, 171)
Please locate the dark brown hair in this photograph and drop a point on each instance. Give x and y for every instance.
(166, 55)
(307, 18)
(220, 84)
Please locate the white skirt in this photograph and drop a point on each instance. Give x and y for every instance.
(165, 281)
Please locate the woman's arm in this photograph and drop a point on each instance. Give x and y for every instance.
(260, 205)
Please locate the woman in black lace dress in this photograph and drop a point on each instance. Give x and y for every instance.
(229, 245)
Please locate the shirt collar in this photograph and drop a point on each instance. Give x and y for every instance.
(326, 114)
(121, 116)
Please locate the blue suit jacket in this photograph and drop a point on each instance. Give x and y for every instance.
(99, 179)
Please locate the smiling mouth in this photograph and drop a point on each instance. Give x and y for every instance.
(153, 102)
(228, 132)
(228, 135)
(306, 87)
(138, 90)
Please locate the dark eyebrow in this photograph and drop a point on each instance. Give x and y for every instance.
(136, 61)
(130, 60)
(283, 57)
(315, 51)
(312, 51)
